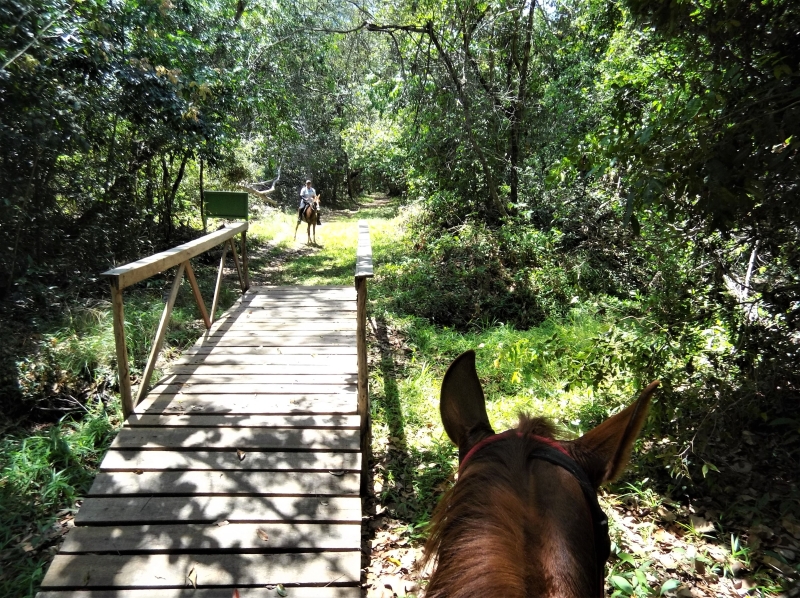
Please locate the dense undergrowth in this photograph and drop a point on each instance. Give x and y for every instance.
(571, 323)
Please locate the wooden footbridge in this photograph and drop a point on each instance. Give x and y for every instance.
(241, 469)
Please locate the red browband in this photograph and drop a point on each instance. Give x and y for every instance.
(495, 437)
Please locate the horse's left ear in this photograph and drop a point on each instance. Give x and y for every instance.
(463, 406)
(604, 451)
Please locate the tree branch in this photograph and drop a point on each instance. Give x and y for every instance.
(36, 38)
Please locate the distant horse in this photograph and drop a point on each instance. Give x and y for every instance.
(310, 216)
(523, 520)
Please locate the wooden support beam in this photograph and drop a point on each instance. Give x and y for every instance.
(162, 330)
(236, 263)
(123, 370)
(218, 286)
(196, 292)
(244, 261)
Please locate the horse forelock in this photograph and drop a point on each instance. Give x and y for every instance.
(491, 536)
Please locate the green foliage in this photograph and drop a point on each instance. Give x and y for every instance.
(42, 475)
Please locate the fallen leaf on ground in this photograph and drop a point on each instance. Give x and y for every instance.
(192, 577)
(700, 524)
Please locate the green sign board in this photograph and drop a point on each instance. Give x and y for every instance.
(226, 204)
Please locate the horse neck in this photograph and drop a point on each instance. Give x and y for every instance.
(515, 529)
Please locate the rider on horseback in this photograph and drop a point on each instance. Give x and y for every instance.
(307, 193)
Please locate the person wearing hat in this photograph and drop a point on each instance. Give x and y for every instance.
(307, 193)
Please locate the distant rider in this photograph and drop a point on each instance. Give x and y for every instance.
(307, 193)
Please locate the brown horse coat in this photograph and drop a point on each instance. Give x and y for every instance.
(309, 216)
(515, 525)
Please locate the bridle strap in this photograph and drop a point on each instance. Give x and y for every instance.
(553, 452)
(502, 436)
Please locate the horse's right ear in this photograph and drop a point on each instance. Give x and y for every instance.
(604, 451)
(462, 404)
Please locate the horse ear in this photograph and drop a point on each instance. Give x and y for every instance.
(604, 451)
(462, 404)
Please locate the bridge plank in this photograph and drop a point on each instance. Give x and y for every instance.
(168, 570)
(130, 460)
(269, 350)
(289, 364)
(235, 537)
(256, 388)
(209, 509)
(259, 379)
(296, 592)
(237, 438)
(313, 370)
(228, 483)
(253, 403)
(195, 420)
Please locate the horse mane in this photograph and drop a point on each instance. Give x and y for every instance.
(484, 525)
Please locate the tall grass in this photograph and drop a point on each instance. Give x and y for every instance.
(43, 474)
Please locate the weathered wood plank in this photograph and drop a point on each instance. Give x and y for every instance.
(234, 438)
(131, 460)
(279, 338)
(265, 379)
(296, 592)
(208, 509)
(265, 327)
(310, 369)
(252, 403)
(167, 570)
(261, 389)
(228, 483)
(289, 364)
(293, 302)
(235, 537)
(286, 311)
(306, 291)
(268, 350)
(284, 339)
(195, 420)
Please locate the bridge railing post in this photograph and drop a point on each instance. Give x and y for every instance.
(124, 276)
(364, 271)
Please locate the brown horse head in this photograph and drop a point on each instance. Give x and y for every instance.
(523, 520)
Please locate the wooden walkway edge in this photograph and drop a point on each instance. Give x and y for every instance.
(241, 469)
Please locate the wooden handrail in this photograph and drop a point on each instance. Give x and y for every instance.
(125, 276)
(364, 271)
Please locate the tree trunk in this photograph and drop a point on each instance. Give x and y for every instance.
(518, 112)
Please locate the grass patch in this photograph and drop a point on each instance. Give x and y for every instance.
(43, 474)
(681, 516)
